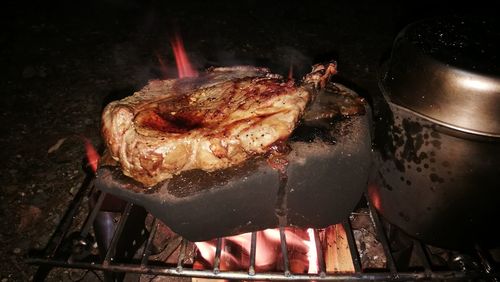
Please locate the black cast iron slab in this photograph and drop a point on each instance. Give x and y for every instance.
(325, 179)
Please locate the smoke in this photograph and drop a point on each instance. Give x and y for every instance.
(128, 60)
(287, 57)
(278, 59)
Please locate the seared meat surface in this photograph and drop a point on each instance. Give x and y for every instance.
(210, 122)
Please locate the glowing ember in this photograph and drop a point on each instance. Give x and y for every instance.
(207, 250)
(292, 239)
(290, 72)
(184, 67)
(235, 254)
(266, 253)
(92, 155)
(312, 254)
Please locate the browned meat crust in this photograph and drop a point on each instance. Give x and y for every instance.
(211, 122)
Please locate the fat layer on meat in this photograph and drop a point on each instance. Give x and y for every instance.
(210, 122)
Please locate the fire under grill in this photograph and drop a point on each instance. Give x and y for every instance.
(112, 251)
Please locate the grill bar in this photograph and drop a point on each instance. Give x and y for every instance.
(171, 271)
(422, 255)
(147, 247)
(116, 236)
(284, 252)
(218, 251)
(148, 266)
(382, 237)
(253, 250)
(353, 249)
(172, 246)
(93, 214)
(182, 255)
(321, 257)
(65, 224)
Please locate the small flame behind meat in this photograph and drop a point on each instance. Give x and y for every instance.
(184, 67)
(92, 155)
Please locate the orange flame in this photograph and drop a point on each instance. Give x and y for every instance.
(92, 155)
(184, 67)
(290, 72)
(374, 196)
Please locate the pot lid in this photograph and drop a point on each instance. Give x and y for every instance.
(448, 70)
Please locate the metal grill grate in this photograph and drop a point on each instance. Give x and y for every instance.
(58, 254)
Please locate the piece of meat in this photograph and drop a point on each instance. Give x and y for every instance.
(210, 122)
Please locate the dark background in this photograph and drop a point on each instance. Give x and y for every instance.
(63, 60)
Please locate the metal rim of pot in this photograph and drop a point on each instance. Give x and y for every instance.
(464, 98)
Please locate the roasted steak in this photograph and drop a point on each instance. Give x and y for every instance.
(328, 164)
(210, 122)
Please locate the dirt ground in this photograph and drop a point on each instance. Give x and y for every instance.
(62, 62)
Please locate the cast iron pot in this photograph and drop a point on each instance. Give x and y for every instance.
(438, 173)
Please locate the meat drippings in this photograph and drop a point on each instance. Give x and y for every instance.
(277, 155)
(281, 209)
(277, 159)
